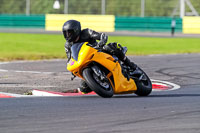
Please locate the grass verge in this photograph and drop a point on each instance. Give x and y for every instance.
(20, 46)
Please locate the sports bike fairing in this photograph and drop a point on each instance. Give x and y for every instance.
(83, 55)
(75, 50)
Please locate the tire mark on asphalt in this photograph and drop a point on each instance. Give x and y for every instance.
(162, 71)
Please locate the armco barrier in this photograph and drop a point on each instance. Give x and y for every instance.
(191, 25)
(102, 23)
(22, 21)
(154, 24)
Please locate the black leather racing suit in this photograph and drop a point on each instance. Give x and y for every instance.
(87, 35)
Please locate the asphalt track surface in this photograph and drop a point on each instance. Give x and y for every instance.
(175, 111)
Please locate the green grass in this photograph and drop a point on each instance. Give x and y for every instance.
(150, 45)
(18, 46)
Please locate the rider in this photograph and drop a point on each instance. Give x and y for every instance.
(73, 34)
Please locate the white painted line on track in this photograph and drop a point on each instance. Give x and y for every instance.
(2, 70)
(1, 63)
(24, 61)
(43, 93)
(15, 95)
(26, 86)
(32, 72)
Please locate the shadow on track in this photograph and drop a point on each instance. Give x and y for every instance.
(158, 96)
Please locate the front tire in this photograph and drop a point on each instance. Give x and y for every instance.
(102, 88)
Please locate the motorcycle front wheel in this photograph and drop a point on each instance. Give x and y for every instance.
(102, 88)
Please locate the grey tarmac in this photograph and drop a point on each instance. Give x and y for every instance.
(22, 76)
(175, 111)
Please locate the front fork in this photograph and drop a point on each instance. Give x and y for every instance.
(98, 72)
(102, 76)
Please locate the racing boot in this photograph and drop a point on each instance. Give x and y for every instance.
(136, 71)
(84, 88)
(129, 63)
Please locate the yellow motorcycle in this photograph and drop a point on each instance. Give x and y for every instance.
(105, 74)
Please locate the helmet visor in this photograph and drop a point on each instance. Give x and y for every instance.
(69, 34)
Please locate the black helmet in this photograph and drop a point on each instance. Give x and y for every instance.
(71, 30)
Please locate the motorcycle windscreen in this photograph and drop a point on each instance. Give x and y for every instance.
(75, 48)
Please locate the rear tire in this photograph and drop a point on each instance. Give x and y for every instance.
(144, 87)
(102, 90)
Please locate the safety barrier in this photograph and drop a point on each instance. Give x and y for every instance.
(104, 23)
(191, 25)
(22, 21)
(153, 24)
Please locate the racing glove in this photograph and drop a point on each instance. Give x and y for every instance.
(103, 40)
(115, 49)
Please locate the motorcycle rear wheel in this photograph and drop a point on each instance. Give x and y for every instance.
(144, 87)
(103, 89)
